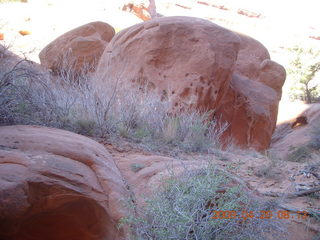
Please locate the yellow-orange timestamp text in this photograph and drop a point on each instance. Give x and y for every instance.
(281, 214)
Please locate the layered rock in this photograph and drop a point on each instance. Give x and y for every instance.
(78, 50)
(57, 185)
(195, 64)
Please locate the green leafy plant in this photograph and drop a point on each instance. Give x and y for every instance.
(302, 71)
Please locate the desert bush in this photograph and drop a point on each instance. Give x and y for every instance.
(24, 96)
(143, 117)
(183, 208)
(198, 131)
(299, 154)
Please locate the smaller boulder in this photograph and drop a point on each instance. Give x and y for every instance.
(78, 50)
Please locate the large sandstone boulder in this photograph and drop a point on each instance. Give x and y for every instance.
(57, 185)
(79, 49)
(190, 62)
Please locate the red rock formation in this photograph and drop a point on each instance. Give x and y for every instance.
(190, 62)
(143, 9)
(79, 49)
(57, 185)
(251, 104)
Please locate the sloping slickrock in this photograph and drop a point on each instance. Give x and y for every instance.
(57, 185)
(188, 61)
(79, 49)
(298, 138)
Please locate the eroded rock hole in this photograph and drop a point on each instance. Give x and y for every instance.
(80, 218)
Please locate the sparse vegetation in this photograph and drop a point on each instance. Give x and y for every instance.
(183, 208)
(69, 101)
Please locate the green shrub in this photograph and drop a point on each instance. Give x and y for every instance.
(183, 209)
(303, 69)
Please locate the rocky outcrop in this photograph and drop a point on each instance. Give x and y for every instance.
(195, 64)
(78, 50)
(57, 185)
